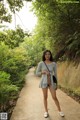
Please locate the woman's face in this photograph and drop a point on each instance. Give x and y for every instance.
(47, 55)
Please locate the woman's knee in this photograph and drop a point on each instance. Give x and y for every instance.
(55, 98)
(45, 94)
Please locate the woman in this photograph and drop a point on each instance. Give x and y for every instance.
(46, 68)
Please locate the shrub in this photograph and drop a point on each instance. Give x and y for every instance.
(7, 90)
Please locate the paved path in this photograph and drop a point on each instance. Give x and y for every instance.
(30, 103)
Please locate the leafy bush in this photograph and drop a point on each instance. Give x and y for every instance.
(77, 91)
(7, 90)
(14, 62)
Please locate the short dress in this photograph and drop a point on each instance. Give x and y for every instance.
(44, 79)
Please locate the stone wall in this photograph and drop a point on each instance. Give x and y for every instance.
(68, 75)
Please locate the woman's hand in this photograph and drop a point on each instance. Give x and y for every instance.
(45, 72)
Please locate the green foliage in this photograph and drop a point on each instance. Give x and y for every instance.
(16, 5)
(4, 15)
(13, 38)
(73, 46)
(4, 78)
(14, 62)
(59, 26)
(34, 49)
(74, 93)
(7, 90)
(77, 91)
(12, 6)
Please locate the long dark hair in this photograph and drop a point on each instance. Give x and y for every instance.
(43, 57)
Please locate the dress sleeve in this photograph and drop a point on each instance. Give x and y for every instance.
(55, 70)
(38, 70)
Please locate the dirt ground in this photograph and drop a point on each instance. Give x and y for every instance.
(30, 103)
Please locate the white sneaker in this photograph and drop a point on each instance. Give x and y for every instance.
(46, 114)
(61, 114)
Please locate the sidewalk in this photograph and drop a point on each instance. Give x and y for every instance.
(30, 103)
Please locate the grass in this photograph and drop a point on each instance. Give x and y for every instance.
(75, 94)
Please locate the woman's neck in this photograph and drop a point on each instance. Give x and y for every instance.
(48, 61)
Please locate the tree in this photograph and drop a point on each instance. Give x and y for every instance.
(59, 26)
(5, 13)
(13, 38)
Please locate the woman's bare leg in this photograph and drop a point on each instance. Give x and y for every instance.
(53, 93)
(45, 96)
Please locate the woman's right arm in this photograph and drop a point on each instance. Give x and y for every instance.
(38, 70)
